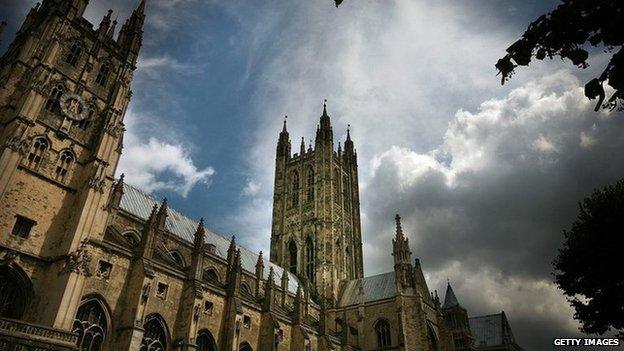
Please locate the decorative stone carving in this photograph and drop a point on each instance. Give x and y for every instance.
(8, 257)
(78, 261)
(196, 310)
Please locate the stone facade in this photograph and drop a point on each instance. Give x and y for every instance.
(88, 262)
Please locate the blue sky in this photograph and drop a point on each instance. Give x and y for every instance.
(485, 176)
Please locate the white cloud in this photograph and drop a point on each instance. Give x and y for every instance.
(158, 63)
(544, 145)
(252, 188)
(154, 164)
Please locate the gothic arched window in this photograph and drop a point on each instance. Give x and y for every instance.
(74, 53)
(177, 257)
(15, 292)
(205, 341)
(132, 238)
(310, 260)
(382, 329)
(295, 189)
(292, 253)
(37, 151)
(102, 76)
(155, 334)
(52, 103)
(66, 158)
(91, 325)
(244, 346)
(211, 275)
(310, 185)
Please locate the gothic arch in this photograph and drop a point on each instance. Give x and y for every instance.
(244, 288)
(75, 49)
(64, 162)
(132, 236)
(382, 330)
(104, 72)
(53, 93)
(38, 151)
(16, 291)
(156, 334)
(244, 346)
(92, 323)
(211, 275)
(205, 341)
(178, 258)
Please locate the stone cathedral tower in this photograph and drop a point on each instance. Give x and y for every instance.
(64, 89)
(316, 211)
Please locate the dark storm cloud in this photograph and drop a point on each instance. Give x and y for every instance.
(491, 216)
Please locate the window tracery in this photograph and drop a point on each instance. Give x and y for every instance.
(74, 53)
(65, 160)
(91, 325)
(37, 152)
(103, 74)
(382, 329)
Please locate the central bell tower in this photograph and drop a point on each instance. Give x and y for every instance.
(316, 230)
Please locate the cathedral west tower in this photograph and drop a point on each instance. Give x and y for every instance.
(64, 89)
(316, 211)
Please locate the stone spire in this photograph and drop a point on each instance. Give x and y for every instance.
(131, 34)
(259, 273)
(325, 134)
(149, 234)
(161, 216)
(403, 269)
(231, 251)
(283, 144)
(400, 245)
(117, 192)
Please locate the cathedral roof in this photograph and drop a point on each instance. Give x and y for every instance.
(450, 300)
(139, 204)
(491, 330)
(376, 287)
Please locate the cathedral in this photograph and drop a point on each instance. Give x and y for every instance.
(88, 262)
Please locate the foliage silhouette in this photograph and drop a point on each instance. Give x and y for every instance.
(563, 32)
(589, 266)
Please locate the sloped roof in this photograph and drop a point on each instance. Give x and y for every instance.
(376, 287)
(137, 203)
(491, 330)
(450, 300)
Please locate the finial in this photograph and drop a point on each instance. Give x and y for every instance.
(399, 230)
(121, 177)
(325, 108)
(285, 119)
(348, 132)
(141, 7)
